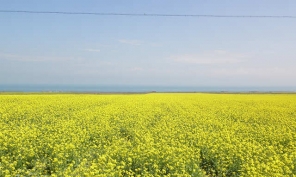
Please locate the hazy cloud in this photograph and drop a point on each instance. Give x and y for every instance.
(137, 69)
(154, 44)
(92, 50)
(210, 58)
(268, 72)
(130, 42)
(24, 58)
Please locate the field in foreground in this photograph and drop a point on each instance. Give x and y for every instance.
(148, 135)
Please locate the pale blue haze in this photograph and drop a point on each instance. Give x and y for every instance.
(149, 51)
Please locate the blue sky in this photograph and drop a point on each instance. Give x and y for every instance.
(121, 50)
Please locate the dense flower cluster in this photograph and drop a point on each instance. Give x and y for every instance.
(148, 135)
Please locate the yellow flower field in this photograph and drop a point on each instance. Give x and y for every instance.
(148, 135)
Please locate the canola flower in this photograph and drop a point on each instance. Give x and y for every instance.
(148, 135)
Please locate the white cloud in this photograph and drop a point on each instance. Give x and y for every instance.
(130, 42)
(93, 50)
(210, 58)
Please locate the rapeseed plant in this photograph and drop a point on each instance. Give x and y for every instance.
(148, 135)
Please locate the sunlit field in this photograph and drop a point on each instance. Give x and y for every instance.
(148, 135)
